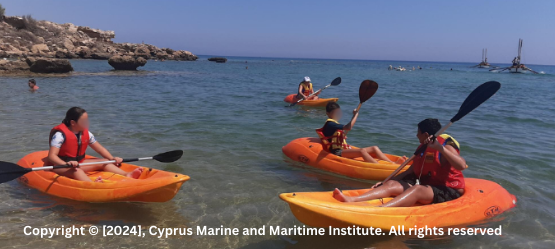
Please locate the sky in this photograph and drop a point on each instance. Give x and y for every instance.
(416, 30)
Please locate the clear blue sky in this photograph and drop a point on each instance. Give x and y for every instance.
(376, 30)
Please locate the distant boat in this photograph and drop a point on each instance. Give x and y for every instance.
(484, 63)
(518, 67)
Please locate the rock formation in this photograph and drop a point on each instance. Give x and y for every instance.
(218, 59)
(126, 62)
(26, 37)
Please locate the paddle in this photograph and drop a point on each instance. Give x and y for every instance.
(475, 99)
(366, 90)
(10, 171)
(335, 82)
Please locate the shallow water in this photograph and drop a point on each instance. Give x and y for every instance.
(231, 123)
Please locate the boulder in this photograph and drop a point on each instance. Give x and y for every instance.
(162, 55)
(13, 66)
(182, 55)
(101, 56)
(39, 48)
(83, 52)
(142, 51)
(68, 44)
(97, 34)
(15, 21)
(218, 59)
(64, 54)
(42, 65)
(126, 62)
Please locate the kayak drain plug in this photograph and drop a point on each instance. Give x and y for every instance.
(481, 191)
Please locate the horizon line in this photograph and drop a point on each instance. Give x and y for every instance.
(316, 58)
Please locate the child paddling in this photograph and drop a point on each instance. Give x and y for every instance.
(333, 136)
(68, 144)
(434, 177)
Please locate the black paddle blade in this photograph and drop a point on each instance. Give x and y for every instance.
(336, 81)
(168, 157)
(367, 89)
(11, 171)
(476, 98)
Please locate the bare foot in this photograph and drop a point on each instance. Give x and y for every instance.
(338, 195)
(135, 174)
(98, 179)
(401, 160)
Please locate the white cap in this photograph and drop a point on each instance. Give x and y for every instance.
(306, 79)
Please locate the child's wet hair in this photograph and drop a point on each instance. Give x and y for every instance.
(332, 106)
(33, 81)
(429, 125)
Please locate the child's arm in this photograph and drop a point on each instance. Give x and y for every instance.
(350, 125)
(104, 152)
(56, 160)
(448, 153)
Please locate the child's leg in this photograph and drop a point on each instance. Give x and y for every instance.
(374, 150)
(418, 193)
(388, 189)
(354, 153)
(110, 167)
(74, 173)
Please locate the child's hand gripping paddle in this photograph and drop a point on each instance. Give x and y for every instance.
(335, 82)
(10, 171)
(475, 99)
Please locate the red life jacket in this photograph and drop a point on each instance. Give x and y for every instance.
(428, 166)
(334, 142)
(74, 147)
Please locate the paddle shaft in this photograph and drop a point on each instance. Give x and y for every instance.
(91, 163)
(312, 94)
(419, 151)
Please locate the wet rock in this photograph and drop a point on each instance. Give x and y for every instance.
(42, 65)
(218, 59)
(126, 62)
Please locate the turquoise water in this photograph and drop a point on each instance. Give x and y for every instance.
(231, 122)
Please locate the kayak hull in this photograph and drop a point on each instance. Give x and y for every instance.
(309, 150)
(292, 98)
(152, 186)
(482, 200)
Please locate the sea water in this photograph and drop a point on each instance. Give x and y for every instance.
(232, 122)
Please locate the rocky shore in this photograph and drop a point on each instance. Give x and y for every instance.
(25, 37)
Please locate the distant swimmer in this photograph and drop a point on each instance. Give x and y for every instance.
(390, 67)
(412, 68)
(451, 69)
(33, 85)
(305, 89)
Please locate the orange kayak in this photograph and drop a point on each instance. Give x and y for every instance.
(482, 200)
(309, 150)
(152, 186)
(292, 98)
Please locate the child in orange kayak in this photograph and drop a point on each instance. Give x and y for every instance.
(333, 136)
(434, 177)
(305, 89)
(33, 85)
(68, 143)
